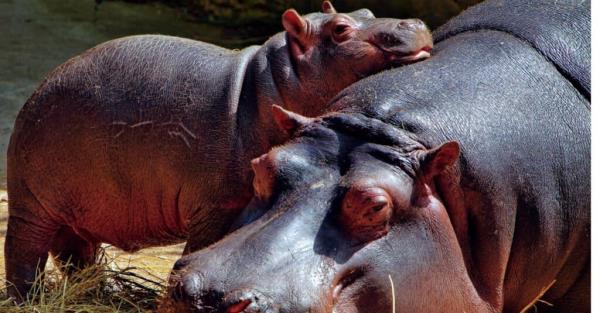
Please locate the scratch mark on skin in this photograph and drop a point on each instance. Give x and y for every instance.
(172, 133)
(185, 129)
(189, 132)
(180, 135)
(119, 134)
(125, 124)
(140, 124)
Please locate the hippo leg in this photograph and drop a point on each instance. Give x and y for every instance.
(29, 234)
(26, 252)
(71, 252)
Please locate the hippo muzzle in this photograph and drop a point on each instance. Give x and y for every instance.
(401, 41)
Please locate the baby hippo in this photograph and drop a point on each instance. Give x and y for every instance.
(147, 140)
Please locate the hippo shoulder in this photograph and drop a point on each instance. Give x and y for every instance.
(560, 30)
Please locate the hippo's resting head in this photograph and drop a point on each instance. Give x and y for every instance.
(328, 51)
(345, 219)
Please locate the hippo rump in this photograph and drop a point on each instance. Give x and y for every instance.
(457, 184)
(147, 140)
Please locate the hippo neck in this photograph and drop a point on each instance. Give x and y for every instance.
(278, 69)
(255, 129)
(270, 79)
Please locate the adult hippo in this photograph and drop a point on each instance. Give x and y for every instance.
(147, 140)
(458, 184)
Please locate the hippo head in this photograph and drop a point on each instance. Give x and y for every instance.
(346, 219)
(330, 50)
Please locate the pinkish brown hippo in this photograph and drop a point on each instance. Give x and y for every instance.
(147, 140)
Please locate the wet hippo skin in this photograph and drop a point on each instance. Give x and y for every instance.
(462, 183)
(147, 140)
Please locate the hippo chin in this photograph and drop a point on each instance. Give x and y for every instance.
(147, 140)
(458, 184)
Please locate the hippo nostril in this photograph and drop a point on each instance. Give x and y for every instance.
(180, 264)
(402, 24)
(187, 288)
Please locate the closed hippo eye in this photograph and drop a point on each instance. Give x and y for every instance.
(365, 213)
(341, 31)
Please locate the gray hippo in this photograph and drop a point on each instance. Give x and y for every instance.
(147, 140)
(458, 184)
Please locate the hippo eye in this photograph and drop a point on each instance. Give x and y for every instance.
(378, 207)
(366, 213)
(340, 29)
(341, 32)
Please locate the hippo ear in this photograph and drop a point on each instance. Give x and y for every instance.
(288, 121)
(327, 7)
(294, 24)
(436, 160)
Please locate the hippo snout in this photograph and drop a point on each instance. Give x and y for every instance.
(187, 295)
(403, 41)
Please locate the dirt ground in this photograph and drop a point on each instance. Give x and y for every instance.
(157, 261)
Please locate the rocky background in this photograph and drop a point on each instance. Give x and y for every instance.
(262, 17)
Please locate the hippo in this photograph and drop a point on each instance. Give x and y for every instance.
(147, 140)
(457, 184)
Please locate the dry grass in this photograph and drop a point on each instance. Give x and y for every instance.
(121, 282)
(105, 287)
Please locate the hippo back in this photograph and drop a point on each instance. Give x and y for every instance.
(560, 30)
(524, 131)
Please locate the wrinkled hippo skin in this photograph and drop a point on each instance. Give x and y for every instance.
(462, 183)
(147, 140)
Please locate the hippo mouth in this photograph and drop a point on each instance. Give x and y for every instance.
(402, 58)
